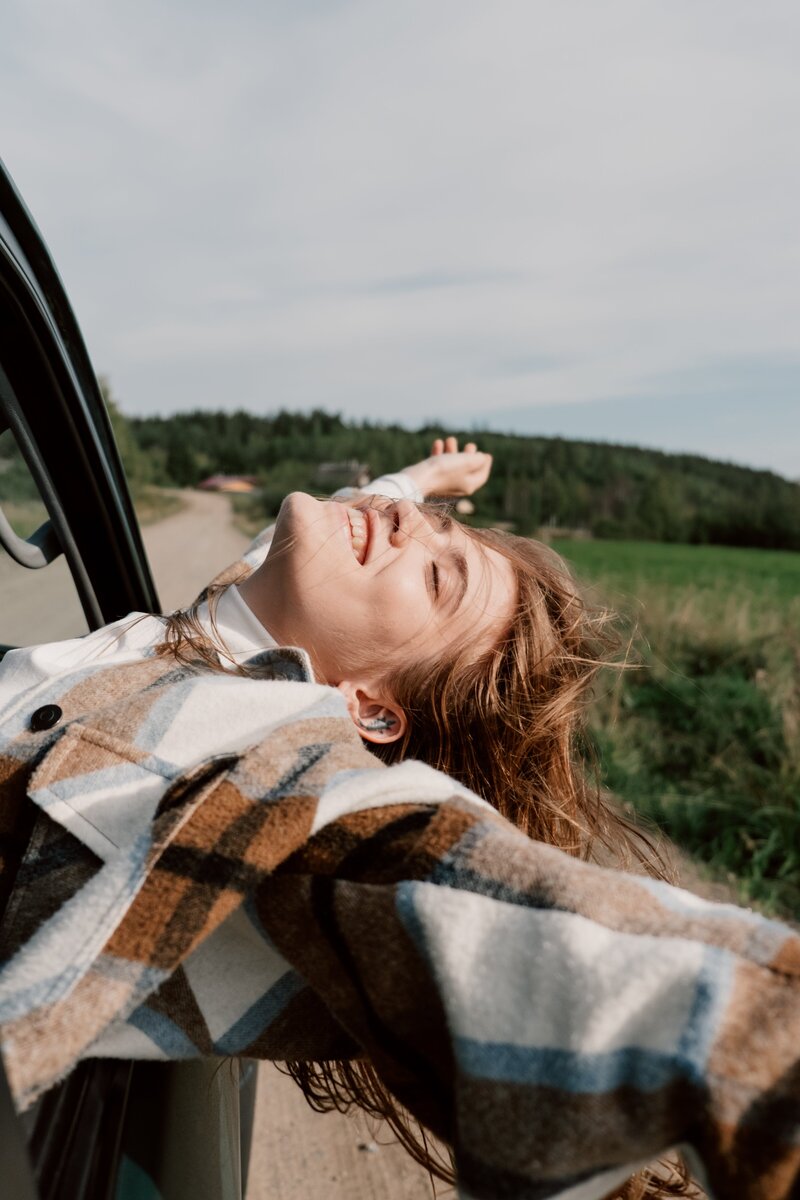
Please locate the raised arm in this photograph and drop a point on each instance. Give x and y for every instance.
(447, 471)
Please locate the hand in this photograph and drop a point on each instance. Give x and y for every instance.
(450, 471)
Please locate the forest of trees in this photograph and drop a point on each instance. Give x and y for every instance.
(608, 490)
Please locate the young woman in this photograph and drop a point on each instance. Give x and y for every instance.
(215, 865)
(468, 649)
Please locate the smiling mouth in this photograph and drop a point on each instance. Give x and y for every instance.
(358, 533)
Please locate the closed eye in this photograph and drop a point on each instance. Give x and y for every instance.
(450, 587)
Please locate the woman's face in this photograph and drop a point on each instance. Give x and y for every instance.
(378, 584)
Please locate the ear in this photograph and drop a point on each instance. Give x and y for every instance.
(377, 718)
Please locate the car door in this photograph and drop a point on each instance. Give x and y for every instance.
(113, 1129)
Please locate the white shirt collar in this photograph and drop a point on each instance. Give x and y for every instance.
(235, 631)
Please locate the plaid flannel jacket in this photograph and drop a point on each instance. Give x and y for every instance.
(557, 1023)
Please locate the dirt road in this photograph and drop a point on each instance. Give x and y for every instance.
(185, 551)
(38, 606)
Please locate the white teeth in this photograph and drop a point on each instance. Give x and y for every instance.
(358, 534)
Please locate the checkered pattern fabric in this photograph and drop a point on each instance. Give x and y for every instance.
(557, 1023)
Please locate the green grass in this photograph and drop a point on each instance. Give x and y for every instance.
(248, 513)
(704, 737)
(155, 503)
(151, 503)
(771, 577)
(25, 516)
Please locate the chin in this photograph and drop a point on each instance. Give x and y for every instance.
(297, 509)
(297, 500)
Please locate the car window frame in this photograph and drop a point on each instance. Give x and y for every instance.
(80, 1134)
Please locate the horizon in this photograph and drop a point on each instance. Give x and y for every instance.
(473, 432)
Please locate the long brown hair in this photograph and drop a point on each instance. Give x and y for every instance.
(510, 724)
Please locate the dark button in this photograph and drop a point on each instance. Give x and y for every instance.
(46, 717)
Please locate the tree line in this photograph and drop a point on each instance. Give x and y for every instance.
(610, 491)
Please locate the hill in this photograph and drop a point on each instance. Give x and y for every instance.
(611, 491)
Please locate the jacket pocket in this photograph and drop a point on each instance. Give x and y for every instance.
(99, 787)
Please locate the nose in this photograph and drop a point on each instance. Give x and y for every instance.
(408, 522)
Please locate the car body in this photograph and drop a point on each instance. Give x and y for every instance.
(112, 1130)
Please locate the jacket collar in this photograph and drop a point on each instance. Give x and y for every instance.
(241, 640)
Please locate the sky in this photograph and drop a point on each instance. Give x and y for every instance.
(574, 217)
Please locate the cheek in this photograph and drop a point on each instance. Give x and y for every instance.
(354, 622)
(405, 602)
(401, 624)
(378, 625)
(368, 631)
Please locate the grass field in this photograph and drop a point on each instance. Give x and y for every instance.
(703, 735)
(25, 516)
(771, 577)
(154, 503)
(151, 504)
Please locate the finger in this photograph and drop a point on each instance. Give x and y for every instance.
(470, 448)
(437, 447)
(451, 445)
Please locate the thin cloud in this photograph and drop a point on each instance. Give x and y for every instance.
(455, 208)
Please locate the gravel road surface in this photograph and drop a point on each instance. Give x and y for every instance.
(185, 551)
(189, 548)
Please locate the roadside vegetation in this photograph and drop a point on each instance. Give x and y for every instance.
(25, 516)
(18, 493)
(155, 503)
(702, 733)
(151, 499)
(609, 491)
(20, 497)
